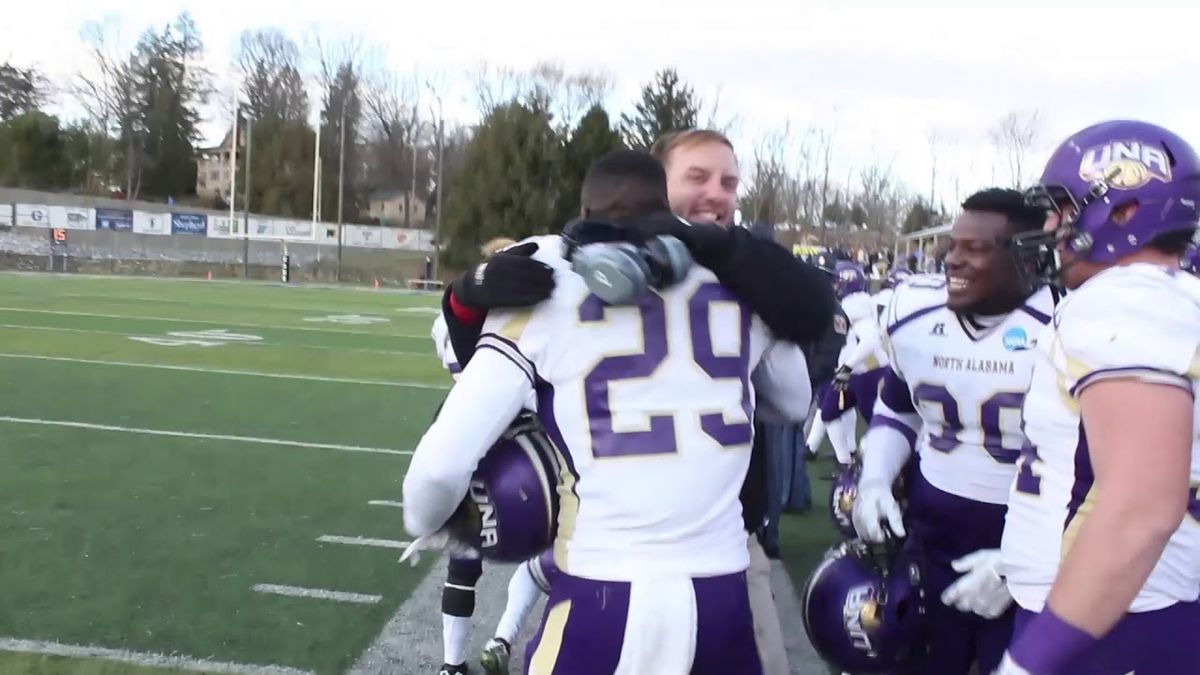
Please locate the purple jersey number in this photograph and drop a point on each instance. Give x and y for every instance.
(1194, 503)
(1028, 482)
(660, 438)
(946, 439)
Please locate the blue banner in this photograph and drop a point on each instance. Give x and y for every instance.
(189, 223)
(114, 219)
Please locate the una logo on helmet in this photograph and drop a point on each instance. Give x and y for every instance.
(1016, 339)
(858, 599)
(1125, 165)
(487, 514)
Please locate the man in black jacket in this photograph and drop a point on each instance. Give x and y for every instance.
(794, 300)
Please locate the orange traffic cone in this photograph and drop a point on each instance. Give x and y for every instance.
(210, 275)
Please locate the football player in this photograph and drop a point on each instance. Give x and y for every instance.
(649, 404)
(960, 364)
(1101, 547)
(856, 380)
(702, 174)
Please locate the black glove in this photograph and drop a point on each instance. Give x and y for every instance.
(709, 243)
(508, 278)
(841, 379)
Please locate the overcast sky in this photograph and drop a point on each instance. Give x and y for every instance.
(884, 73)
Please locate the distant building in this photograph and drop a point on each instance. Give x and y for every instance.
(388, 206)
(212, 169)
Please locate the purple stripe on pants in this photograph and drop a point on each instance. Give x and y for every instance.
(1163, 642)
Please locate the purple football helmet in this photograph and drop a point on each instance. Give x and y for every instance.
(895, 277)
(864, 612)
(510, 512)
(1102, 169)
(850, 278)
(841, 499)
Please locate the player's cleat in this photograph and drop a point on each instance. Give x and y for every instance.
(460, 669)
(494, 658)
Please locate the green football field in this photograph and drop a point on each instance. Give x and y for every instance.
(175, 454)
(170, 445)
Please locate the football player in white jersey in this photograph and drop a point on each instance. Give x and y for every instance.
(960, 364)
(856, 381)
(1101, 547)
(649, 404)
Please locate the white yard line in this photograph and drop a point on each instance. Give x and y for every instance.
(214, 437)
(362, 541)
(292, 345)
(319, 593)
(171, 319)
(382, 502)
(224, 371)
(142, 658)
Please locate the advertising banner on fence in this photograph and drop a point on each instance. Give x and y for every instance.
(114, 219)
(224, 227)
(262, 228)
(6, 216)
(299, 230)
(194, 224)
(72, 218)
(33, 215)
(151, 223)
(375, 236)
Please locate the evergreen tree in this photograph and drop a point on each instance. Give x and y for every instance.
(667, 104)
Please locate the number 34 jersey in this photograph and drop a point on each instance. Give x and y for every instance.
(968, 380)
(651, 407)
(1139, 321)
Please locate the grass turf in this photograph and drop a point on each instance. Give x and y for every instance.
(151, 543)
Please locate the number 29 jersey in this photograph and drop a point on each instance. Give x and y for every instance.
(650, 406)
(967, 383)
(1139, 321)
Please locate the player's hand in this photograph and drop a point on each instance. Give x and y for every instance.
(874, 509)
(438, 541)
(980, 590)
(841, 379)
(508, 278)
(1010, 667)
(707, 242)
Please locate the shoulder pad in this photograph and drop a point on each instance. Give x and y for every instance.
(917, 294)
(550, 250)
(858, 306)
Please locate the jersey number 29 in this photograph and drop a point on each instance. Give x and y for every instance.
(660, 439)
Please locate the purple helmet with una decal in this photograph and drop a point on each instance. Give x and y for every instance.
(864, 611)
(1095, 175)
(895, 277)
(849, 278)
(510, 512)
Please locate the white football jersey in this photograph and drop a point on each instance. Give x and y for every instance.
(1136, 321)
(650, 406)
(882, 299)
(967, 383)
(863, 350)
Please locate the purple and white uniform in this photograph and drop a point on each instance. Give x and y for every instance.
(953, 394)
(650, 406)
(1137, 321)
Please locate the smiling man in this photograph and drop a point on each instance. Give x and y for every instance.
(960, 356)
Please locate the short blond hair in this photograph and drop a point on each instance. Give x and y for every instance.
(496, 244)
(668, 142)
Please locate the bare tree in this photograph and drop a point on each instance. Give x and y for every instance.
(494, 85)
(106, 91)
(1014, 136)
